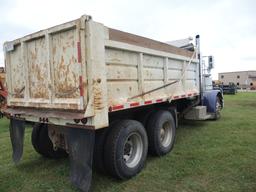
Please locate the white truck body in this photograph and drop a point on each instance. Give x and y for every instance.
(83, 69)
(78, 77)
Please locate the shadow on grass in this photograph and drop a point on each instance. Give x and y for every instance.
(61, 167)
(189, 124)
(41, 163)
(104, 182)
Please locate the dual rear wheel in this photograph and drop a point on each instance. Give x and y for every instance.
(120, 150)
(161, 129)
(124, 149)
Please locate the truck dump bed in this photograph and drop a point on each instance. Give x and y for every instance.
(137, 66)
(83, 66)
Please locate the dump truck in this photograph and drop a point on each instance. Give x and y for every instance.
(101, 96)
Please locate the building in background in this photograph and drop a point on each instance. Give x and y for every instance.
(242, 79)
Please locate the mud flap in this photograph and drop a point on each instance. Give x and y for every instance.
(80, 145)
(17, 129)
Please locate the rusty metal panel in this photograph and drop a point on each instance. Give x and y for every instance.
(37, 68)
(15, 73)
(65, 64)
(47, 69)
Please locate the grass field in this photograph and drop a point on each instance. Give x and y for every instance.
(208, 156)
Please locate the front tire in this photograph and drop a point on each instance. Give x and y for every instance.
(218, 108)
(126, 149)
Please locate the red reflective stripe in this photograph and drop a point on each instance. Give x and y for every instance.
(148, 102)
(79, 52)
(134, 104)
(117, 107)
(81, 87)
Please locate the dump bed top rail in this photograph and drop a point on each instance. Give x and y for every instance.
(129, 38)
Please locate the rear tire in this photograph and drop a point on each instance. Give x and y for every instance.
(161, 130)
(143, 117)
(125, 149)
(42, 143)
(35, 137)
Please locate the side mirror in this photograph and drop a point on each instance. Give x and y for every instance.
(210, 62)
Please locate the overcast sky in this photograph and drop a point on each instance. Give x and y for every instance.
(227, 27)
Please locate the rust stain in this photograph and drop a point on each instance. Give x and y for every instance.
(65, 75)
(54, 50)
(69, 106)
(98, 100)
(33, 55)
(17, 93)
(37, 70)
(67, 79)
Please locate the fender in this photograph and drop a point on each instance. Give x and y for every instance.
(210, 99)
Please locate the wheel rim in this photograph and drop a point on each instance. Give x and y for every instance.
(133, 149)
(166, 134)
(218, 105)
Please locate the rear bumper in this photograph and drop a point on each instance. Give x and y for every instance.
(74, 119)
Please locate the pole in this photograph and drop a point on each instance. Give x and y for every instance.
(200, 70)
